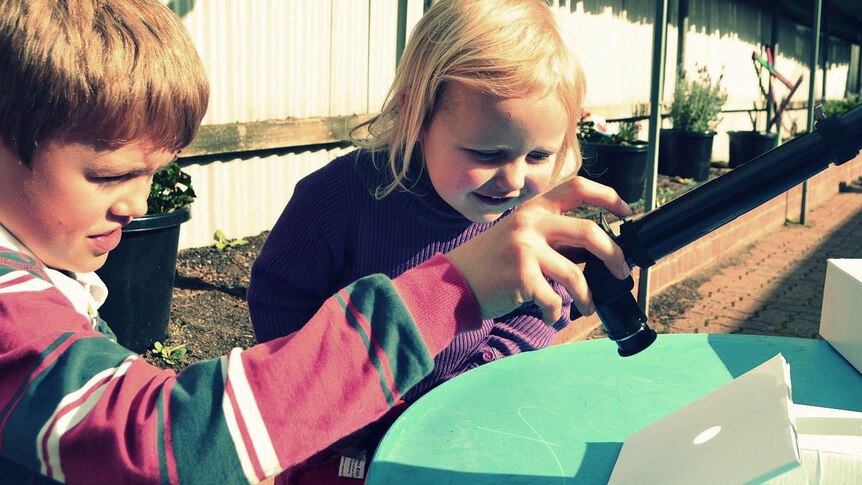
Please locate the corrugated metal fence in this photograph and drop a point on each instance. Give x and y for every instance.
(276, 59)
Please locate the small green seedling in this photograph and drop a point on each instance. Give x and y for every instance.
(222, 241)
(170, 355)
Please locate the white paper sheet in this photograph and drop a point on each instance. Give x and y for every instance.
(743, 432)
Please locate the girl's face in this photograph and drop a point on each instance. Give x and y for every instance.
(485, 155)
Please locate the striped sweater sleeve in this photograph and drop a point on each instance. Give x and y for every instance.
(78, 408)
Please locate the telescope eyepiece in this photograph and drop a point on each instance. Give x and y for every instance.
(622, 318)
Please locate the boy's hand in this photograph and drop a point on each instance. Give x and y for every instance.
(506, 265)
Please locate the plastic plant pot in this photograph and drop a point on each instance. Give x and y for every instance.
(687, 154)
(747, 145)
(139, 275)
(622, 167)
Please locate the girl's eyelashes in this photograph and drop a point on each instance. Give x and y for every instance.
(483, 156)
(494, 156)
(538, 158)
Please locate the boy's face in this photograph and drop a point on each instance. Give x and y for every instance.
(68, 207)
(485, 155)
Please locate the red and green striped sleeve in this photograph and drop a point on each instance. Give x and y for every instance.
(78, 408)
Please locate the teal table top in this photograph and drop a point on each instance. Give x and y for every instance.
(561, 414)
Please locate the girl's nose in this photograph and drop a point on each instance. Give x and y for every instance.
(512, 175)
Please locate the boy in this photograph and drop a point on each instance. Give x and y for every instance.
(95, 97)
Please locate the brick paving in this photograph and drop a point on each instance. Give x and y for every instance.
(775, 287)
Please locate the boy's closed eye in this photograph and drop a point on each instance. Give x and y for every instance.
(112, 179)
(109, 176)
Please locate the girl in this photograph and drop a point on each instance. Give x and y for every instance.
(482, 115)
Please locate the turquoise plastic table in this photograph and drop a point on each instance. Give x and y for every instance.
(561, 414)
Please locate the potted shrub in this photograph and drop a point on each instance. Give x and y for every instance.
(838, 106)
(686, 149)
(618, 160)
(139, 273)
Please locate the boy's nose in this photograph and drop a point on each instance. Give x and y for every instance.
(133, 204)
(512, 175)
(138, 205)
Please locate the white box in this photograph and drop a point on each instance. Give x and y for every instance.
(841, 317)
(740, 433)
(830, 443)
(748, 431)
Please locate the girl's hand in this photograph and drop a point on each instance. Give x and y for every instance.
(506, 265)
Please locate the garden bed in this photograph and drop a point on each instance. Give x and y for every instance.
(209, 315)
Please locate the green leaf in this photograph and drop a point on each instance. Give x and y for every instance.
(171, 190)
(697, 101)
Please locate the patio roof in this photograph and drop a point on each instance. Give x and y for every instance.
(841, 18)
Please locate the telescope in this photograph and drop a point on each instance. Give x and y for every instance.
(657, 233)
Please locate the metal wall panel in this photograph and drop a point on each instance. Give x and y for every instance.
(381, 51)
(267, 58)
(613, 42)
(273, 59)
(245, 196)
(348, 72)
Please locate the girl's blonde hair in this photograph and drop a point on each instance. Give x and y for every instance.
(116, 70)
(504, 48)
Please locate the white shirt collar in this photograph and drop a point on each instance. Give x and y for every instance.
(85, 291)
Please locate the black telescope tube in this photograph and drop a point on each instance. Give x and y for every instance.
(695, 214)
(723, 199)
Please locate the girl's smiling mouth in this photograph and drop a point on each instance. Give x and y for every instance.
(495, 201)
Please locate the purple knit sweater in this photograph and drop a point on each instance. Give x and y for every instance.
(333, 231)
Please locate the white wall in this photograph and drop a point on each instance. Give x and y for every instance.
(273, 59)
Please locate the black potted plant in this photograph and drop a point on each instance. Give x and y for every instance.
(686, 149)
(618, 160)
(139, 273)
(746, 145)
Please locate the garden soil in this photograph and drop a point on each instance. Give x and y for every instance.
(209, 315)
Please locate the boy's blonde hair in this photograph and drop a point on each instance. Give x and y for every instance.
(115, 70)
(504, 48)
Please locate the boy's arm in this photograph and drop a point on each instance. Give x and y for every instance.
(79, 408)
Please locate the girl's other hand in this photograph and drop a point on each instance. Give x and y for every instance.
(506, 265)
